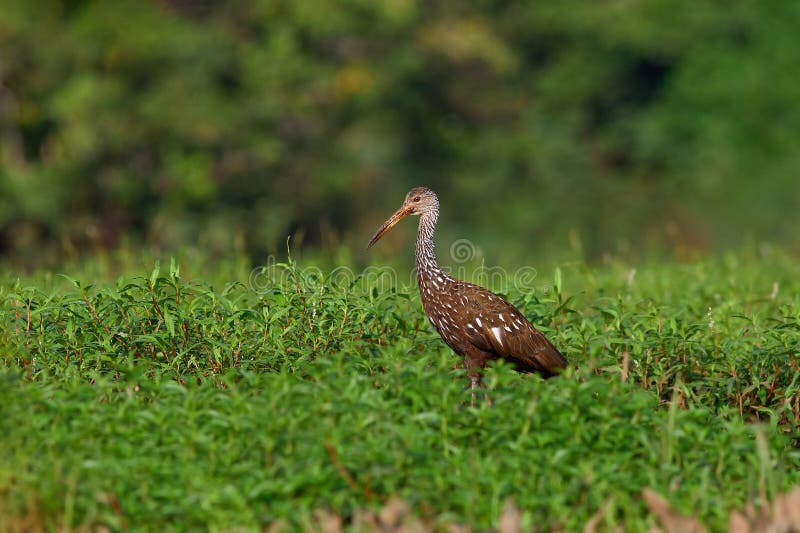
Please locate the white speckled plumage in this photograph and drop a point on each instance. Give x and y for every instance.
(470, 319)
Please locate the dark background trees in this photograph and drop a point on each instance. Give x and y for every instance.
(660, 125)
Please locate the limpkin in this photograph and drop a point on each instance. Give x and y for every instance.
(476, 323)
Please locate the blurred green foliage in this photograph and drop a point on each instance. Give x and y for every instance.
(659, 124)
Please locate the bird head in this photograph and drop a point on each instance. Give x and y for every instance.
(419, 201)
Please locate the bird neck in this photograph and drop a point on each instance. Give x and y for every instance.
(424, 255)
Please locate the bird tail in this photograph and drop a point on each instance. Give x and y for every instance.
(553, 362)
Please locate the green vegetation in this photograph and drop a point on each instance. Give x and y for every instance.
(666, 124)
(159, 400)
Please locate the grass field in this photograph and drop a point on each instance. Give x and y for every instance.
(160, 401)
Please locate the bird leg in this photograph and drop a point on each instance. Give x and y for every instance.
(474, 364)
(475, 382)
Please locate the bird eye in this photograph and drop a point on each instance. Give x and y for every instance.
(416, 198)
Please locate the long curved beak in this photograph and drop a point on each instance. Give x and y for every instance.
(399, 215)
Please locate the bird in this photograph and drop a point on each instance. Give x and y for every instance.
(476, 323)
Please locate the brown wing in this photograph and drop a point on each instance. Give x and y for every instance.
(495, 326)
